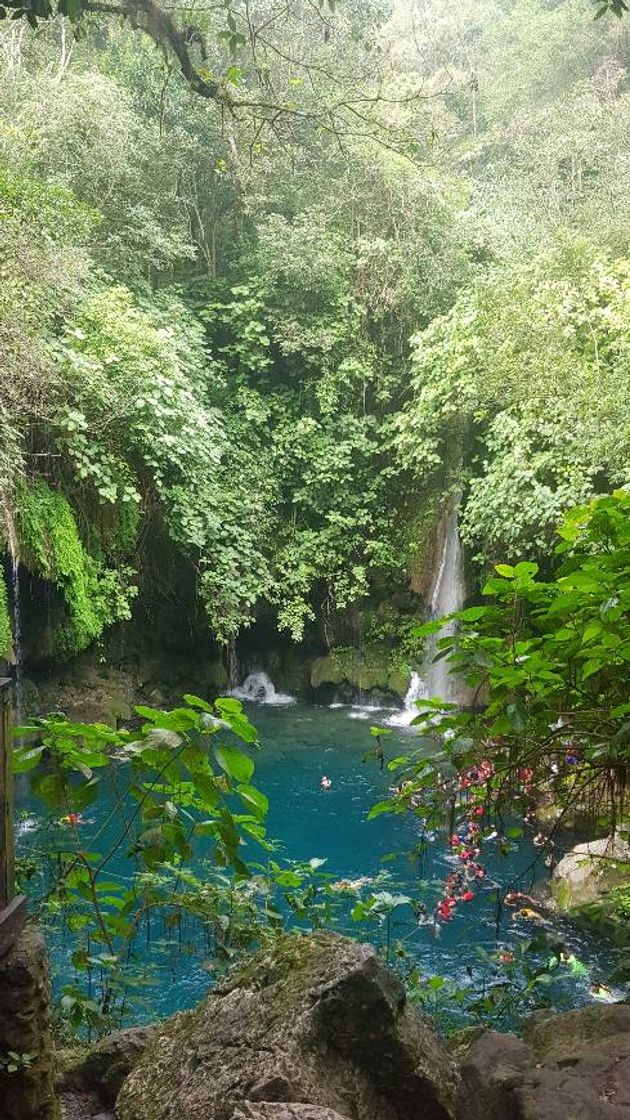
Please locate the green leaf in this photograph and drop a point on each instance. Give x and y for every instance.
(505, 570)
(235, 763)
(254, 799)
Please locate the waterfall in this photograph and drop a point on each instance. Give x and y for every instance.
(232, 663)
(416, 691)
(447, 596)
(260, 689)
(14, 558)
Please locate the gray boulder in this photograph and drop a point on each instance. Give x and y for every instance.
(317, 1021)
(576, 1067)
(266, 1110)
(589, 871)
(104, 1068)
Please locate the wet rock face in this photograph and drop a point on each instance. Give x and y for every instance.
(316, 1029)
(574, 1066)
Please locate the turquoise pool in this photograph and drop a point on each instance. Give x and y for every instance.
(300, 744)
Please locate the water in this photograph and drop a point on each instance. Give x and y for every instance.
(416, 691)
(258, 688)
(232, 664)
(14, 557)
(447, 595)
(301, 743)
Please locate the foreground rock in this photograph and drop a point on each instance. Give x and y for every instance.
(103, 1069)
(316, 1027)
(27, 1092)
(576, 1067)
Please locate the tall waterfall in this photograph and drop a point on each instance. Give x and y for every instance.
(14, 558)
(447, 596)
(232, 663)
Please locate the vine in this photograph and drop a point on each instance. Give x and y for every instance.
(51, 547)
(5, 620)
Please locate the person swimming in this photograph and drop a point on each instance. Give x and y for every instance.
(513, 898)
(325, 782)
(73, 819)
(528, 915)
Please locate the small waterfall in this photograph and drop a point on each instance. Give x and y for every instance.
(260, 689)
(232, 663)
(416, 691)
(14, 558)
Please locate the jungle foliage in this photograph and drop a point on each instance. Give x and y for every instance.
(205, 308)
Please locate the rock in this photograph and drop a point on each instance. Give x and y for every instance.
(549, 1095)
(27, 1093)
(589, 871)
(370, 670)
(266, 1110)
(104, 1068)
(492, 1068)
(556, 1039)
(316, 1021)
(576, 1067)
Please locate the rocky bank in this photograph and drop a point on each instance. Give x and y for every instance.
(317, 1028)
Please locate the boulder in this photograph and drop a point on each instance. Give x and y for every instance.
(557, 1039)
(104, 1068)
(371, 670)
(575, 1065)
(316, 1021)
(28, 1092)
(266, 1110)
(493, 1066)
(589, 871)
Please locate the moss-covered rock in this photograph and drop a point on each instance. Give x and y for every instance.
(317, 1020)
(589, 871)
(370, 670)
(554, 1038)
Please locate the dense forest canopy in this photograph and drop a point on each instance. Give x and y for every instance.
(253, 342)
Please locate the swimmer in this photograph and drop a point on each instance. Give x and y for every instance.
(73, 819)
(528, 915)
(601, 992)
(325, 782)
(512, 898)
(573, 964)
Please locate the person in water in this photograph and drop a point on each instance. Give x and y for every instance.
(514, 898)
(325, 782)
(73, 819)
(528, 915)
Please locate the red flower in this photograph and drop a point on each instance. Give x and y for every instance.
(467, 896)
